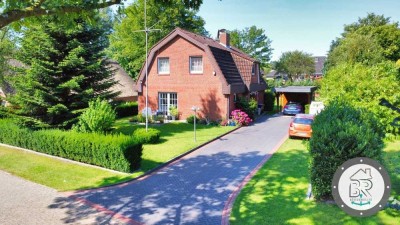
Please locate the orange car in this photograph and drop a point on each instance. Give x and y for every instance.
(301, 126)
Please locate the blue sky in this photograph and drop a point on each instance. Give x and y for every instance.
(307, 25)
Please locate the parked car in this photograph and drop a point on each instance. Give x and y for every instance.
(293, 108)
(301, 126)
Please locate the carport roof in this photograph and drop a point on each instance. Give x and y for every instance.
(295, 89)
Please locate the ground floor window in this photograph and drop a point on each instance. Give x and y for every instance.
(166, 100)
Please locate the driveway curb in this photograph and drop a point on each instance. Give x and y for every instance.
(229, 204)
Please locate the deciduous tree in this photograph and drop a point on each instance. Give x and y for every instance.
(253, 41)
(296, 63)
(16, 10)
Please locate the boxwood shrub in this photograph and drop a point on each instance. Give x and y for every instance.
(116, 152)
(152, 136)
(341, 132)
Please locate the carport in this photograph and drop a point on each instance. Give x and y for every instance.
(301, 94)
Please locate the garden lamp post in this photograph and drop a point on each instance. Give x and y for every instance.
(195, 109)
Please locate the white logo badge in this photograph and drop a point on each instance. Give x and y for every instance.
(361, 187)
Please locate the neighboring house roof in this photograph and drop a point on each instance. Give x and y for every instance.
(296, 89)
(233, 67)
(126, 85)
(319, 64)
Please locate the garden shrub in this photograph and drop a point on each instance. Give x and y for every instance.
(269, 101)
(241, 118)
(341, 132)
(116, 152)
(247, 106)
(152, 136)
(124, 109)
(190, 119)
(99, 117)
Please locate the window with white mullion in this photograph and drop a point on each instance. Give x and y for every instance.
(166, 100)
(163, 65)
(196, 64)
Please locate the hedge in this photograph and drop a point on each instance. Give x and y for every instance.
(341, 132)
(117, 152)
(152, 136)
(269, 101)
(126, 109)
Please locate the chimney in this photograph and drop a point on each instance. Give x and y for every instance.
(224, 38)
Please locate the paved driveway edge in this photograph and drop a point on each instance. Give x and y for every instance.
(229, 204)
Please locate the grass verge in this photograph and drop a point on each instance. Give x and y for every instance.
(276, 194)
(176, 139)
(55, 173)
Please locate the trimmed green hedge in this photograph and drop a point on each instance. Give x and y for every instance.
(341, 132)
(116, 152)
(269, 101)
(152, 136)
(126, 109)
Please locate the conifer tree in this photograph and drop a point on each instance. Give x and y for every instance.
(64, 69)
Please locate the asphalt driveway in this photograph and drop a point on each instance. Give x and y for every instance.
(197, 188)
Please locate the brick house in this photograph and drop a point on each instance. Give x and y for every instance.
(186, 69)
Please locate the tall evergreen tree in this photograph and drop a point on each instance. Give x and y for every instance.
(65, 69)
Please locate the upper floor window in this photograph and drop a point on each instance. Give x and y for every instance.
(163, 65)
(196, 64)
(253, 69)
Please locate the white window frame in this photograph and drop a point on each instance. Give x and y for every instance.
(159, 65)
(192, 71)
(166, 100)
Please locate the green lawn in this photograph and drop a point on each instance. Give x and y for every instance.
(55, 173)
(176, 138)
(277, 193)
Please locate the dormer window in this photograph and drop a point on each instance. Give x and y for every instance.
(253, 69)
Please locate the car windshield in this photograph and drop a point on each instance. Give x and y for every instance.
(303, 121)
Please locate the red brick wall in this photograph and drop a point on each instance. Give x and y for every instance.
(202, 90)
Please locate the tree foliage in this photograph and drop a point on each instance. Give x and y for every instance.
(295, 63)
(363, 86)
(127, 45)
(357, 48)
(371, 39)
(16, 10)
(253, 41)
(64, 69)
(7, 47)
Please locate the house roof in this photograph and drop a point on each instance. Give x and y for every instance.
(296, 89)
(319, 64)
(229, 63)
(126, 85)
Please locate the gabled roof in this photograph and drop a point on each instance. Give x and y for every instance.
(125, 85)
(226, 61)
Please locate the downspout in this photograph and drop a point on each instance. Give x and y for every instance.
(229, 104)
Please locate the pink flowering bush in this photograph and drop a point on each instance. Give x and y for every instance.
(241, 118)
